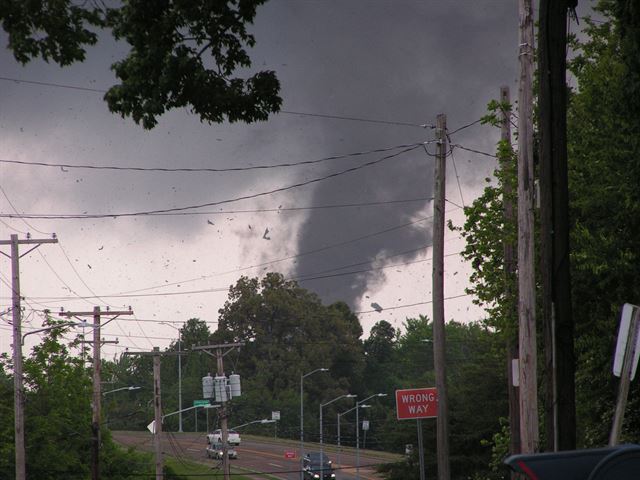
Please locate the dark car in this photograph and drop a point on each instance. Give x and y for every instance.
(317, 466)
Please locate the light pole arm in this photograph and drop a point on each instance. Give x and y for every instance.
(53, 327)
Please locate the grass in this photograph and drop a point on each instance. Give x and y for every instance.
(189, 470)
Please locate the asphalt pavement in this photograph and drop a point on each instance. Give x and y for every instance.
(277, 458)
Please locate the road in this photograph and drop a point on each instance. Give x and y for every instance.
(259, 455)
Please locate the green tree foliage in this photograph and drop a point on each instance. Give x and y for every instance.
(472, 353)
(287, 332)
(183, 53)
(380, 353)
(58, 419)
(485, 232)
(604, 156)
(604, 173)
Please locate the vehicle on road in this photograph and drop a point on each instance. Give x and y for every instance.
(233, 437)
(215, 450)
(317, 466)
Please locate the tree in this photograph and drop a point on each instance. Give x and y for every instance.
(472, 353)
(605, 209)
(604, 214)
(58, 419)
(379, 350)
(287, 331)
(183, 53)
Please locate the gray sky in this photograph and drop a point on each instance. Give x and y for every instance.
(402, 62)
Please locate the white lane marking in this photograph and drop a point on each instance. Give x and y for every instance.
(194, 449)
(276, 465)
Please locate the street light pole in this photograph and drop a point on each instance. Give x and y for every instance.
(302, 377)
(179, 375)
(179, 381)
(347, 395)
(358, 404)
(263, 421)
(339, 439)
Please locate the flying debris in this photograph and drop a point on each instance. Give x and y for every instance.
(265, 234)
(210, 222)
(376, 307)
(101, 247)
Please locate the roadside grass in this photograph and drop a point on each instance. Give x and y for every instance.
(190, 470)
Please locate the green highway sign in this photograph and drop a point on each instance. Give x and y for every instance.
(200, 403)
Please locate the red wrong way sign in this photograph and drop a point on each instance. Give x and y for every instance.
(416, 403)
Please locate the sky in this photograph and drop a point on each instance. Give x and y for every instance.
(360, 80)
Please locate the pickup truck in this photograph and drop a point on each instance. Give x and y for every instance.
(216, 437)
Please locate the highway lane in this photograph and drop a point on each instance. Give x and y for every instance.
(256, 454)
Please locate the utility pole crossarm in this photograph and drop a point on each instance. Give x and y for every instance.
(30, 241)
(228, 346)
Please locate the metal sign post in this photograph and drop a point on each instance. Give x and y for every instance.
(420, 449)
(417, 403)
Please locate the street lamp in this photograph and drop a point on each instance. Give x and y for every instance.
(179, 376)
(264, 420)
(120, 389)
(340, 415)
(347, 395)
(302, 377)
(59, 325)
(358, 404)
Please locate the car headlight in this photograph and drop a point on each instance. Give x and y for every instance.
(315, 475)
(333, 475)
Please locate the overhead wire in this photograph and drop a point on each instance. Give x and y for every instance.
(463, 127)
(284, 112)
(278, 209)
(289, 257)
(455, 170)
(413, 304)
(235, 199)
(457, 145)
(18, 213)
(210, 170)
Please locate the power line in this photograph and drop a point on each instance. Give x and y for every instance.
(285, 112)
(413, 304)
(358, 119)
(457, 145)
(290, 257)
(236, 199)
(18, 214)
(465, 126)
(210, 170)
(225, 289)
(229, 212)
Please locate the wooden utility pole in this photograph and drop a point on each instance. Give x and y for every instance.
(439, 177)
(557, 320)
(220, 351)
(529, 435)
(157, 404)
(510, 254)
(97, 380)
(16, 309)
(157, 413)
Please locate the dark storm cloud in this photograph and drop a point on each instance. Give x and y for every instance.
(401, 60)
(390, 60)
